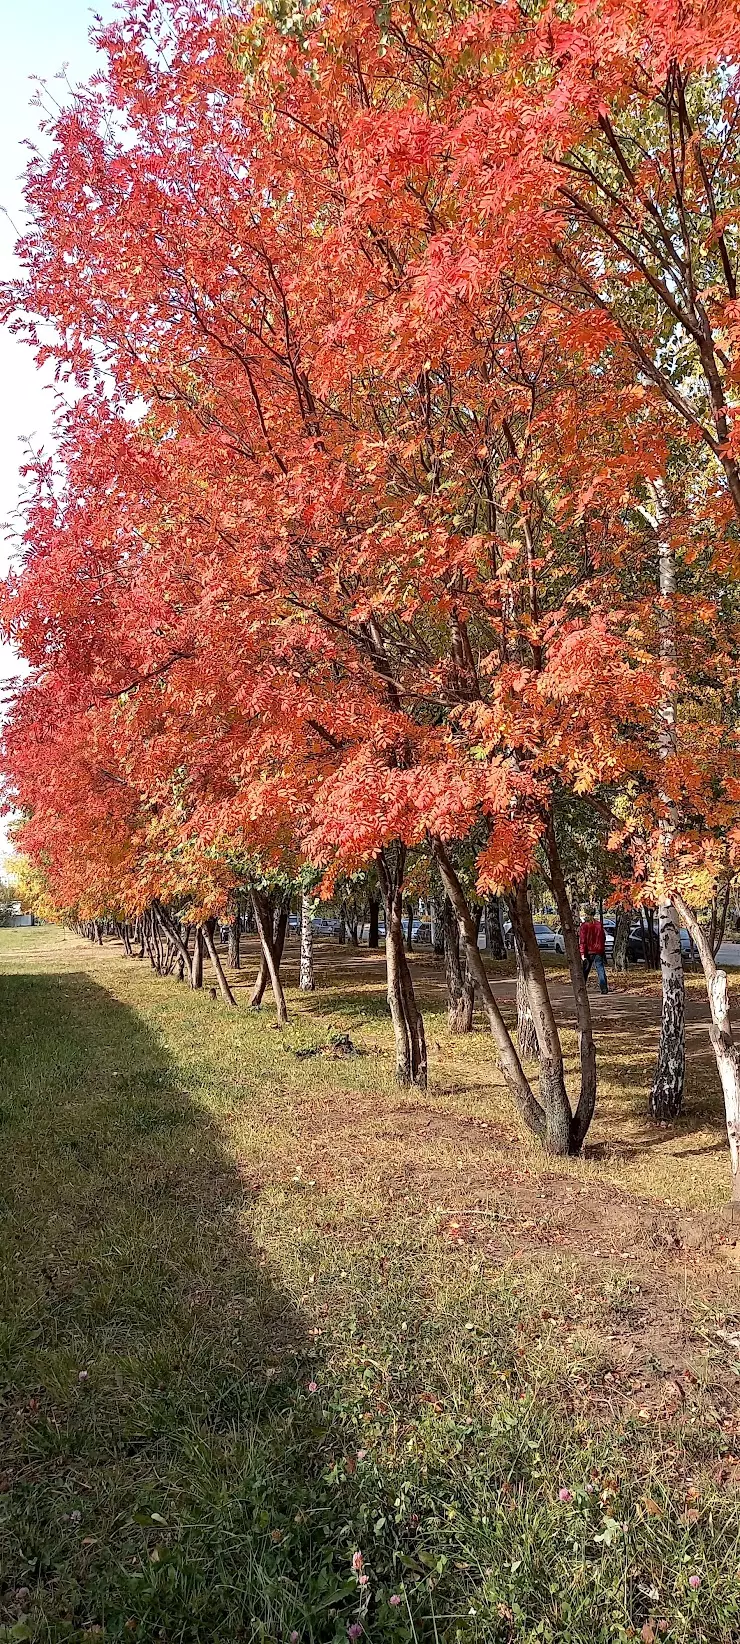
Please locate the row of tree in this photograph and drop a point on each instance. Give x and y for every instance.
(396, 506)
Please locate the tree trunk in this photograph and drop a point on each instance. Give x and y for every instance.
(353, 937)
(586, 1047)
(169, 926)
(263, 975)
(495, 943)
(438, 933)
(649, 938)
(512, 1071)
(622, 930)
(272, 948)
(281, 928)
(526, 1036)
(409, 927)
(196, 964)
(306, 981)
(666, 1095)
(153, 948)
(373, 937)
(718, 918)
(235, 941)
(726, 1052)
(223, 986)
(460, 984)
(260, 983)
(408, 1025)
(553, 1094)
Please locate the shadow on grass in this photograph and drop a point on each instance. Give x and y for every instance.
(164, 1462)
(626, 1070)
(168, 1474)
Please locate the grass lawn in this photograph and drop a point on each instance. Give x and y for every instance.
(262, 1312)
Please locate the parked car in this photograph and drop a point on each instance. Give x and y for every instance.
(636, 945)
(421, 932)
(610, 930)
(325, 927)
(551, 941)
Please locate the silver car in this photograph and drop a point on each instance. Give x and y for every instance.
(551, 941)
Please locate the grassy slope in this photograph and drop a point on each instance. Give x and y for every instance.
(201, 1225)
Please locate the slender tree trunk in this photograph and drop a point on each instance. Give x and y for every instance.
(666, 1095)
(196, 963)
(373, 935)
(223, 986)
(281, 929)
(263, 975)
(409, 927)
(460, 984)
(158, 939)
(169, 926)
(494, 934)
(726, 1052)
(306, 981)
(586, 1047)
(235, 940)
(649, 938)
(272, 948)
(438, 932)
(622, 930)
(526, 1036)
(260, 983)
(512, 1071)
(718, 922)
(553, 1094)
(408, 1025)
(150, 937)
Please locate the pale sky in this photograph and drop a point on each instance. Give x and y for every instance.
(39, 38)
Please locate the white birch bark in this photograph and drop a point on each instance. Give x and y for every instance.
(666, 1095)
(306, 981)
(726, 1052)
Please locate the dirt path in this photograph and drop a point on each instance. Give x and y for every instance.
(620, 1009)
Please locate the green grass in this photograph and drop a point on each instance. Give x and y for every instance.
(199, 1225)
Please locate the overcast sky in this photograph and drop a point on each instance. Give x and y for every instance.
(40, 37)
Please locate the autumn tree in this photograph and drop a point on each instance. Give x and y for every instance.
(365, 558)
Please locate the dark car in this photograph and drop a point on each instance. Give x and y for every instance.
(636, 946)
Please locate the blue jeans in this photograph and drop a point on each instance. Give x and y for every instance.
(597, 960)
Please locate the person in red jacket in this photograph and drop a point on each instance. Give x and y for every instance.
(592, 941)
